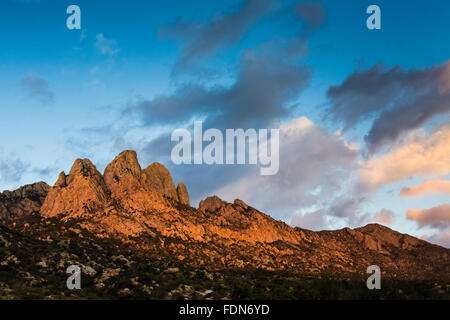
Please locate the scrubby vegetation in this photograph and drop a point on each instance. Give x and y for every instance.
(35, 269)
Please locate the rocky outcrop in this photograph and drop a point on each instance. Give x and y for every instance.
(129, 186)
(25, 201)
(240, 203)
(61, 182)
(159, 178)
(81, 193)
(211, 204)
(123, 190)
(182, 193)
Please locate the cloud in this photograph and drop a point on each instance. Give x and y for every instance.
(384, 216)
(37, 88)
(261, 94)
(420, 154)
(314, 166)
(426, 188)
(12, 171)
(267, 82)
(201, 39)
(106, 46)
(400, 100)
(312, 13)
(314, 220)
(441, 238)
(435, 217)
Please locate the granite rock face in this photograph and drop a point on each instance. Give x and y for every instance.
(82, 191)
(159, 178)
(22, 202)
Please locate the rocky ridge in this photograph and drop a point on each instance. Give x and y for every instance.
(142, 209)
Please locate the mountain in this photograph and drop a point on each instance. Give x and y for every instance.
(139, 213)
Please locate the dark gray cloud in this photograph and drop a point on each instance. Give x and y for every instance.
(391, 124)
(312, 13)
(261, 95)
(37, 88)
(400, 100)
(201, 39)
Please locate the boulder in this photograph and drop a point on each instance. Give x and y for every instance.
(211, 204)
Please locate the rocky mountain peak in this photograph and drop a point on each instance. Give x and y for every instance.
(124, 164)
(84, 168)
(158, 178)
(123, 187)
(62, 180)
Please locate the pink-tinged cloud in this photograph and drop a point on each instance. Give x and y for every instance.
(419, 154)
(441, 238)
(426, 188)
(435, 217)
(384, 216)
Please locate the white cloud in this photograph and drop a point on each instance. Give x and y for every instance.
(314, 168)
(106, 46)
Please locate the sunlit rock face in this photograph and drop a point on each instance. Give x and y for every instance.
(158, 177)
(183, 194)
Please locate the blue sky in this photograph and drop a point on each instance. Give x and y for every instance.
(92, 92)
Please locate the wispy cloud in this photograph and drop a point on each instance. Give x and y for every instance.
(426, 188)
(12, 171)
(385, 216)
(106, 46)
(200, 39)
(37, 88)
(436, 217)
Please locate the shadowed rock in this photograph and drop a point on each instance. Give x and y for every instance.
(22, 202)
